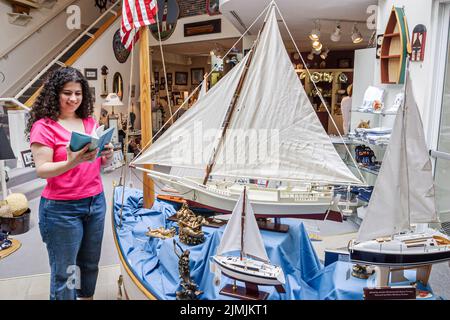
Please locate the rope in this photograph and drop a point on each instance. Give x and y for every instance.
(169, 102)
(320, 94)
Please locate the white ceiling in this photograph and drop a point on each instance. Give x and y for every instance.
(300, 16)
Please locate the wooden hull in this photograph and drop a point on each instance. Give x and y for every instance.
(133, 287)
(198, 196)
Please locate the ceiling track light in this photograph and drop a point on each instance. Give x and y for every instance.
(356, 35)
(315, 33)
(310, 56)
(324, 54)
(317, 45)
(336, 35)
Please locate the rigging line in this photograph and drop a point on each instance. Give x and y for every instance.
(404, 140)
(320, 94)
(169, 101)
(160, 186)
(200, 84)
(123, 175)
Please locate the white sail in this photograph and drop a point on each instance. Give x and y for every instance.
(404, 190)
(252, 243)
(202, 92)
(274, 110)
(190, 140)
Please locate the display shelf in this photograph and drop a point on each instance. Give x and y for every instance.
(347, 140)
(373, 112)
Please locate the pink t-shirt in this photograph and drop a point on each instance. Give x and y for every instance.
(84, 180)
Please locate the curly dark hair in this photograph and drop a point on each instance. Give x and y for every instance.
(47, 103)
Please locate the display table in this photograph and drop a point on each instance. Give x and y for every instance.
(155, 263)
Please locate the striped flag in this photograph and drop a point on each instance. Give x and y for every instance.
(136, 14)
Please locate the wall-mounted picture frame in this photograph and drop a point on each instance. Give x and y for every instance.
(92, 91)
(197, 75)
(162, 86)
(212, 7)
(27, 158)
(90, 73)
(118, 85)
(181, 78)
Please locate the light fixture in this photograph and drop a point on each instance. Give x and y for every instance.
(317, 52)
(356, 35)
(336, 35)
(317, 45)
(324, 54)
(113, 100)
(315, 33)
(310, 56)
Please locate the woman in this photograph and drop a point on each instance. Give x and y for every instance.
(72, 207)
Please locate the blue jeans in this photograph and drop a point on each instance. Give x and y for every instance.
(73, 233)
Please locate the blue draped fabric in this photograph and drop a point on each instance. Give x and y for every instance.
(155, 263)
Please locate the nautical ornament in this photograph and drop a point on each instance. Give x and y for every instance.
(189, 291)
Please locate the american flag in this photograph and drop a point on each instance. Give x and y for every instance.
(136, 14)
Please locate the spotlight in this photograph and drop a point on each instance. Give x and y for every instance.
(310, 56)
(315, 33)
(324, 54)
(317, 45)
(336, 35)
(356, 35)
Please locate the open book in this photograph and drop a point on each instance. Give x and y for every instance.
(98, 138)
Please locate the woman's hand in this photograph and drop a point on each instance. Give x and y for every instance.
(107, 154)
(75, 158)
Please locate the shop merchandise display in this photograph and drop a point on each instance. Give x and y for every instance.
(393, 232)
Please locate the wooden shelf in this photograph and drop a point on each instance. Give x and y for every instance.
(394, 56)
(390, 35)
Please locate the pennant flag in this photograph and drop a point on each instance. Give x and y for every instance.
(136, 14)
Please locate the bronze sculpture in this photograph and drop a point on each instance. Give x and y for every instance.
(189, 287)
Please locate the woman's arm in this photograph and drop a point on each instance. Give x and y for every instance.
(46, 168)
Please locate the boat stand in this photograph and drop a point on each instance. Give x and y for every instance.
(384, 275)
(250, 292)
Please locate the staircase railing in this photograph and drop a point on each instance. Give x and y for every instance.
(16, 102)
(35, 30)
(30, 101)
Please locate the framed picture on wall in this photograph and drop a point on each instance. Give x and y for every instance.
(181, 78)
(27, 158)
(90, 73)
(197, 75)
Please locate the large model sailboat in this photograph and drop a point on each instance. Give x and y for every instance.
(255, 123)
(242, 234)
(403, 196)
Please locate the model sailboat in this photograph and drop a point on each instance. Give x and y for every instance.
(255, 123)
(252, 266)
(403, 196)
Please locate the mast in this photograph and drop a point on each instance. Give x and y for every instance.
(232, 106)
(146, 111)
(242, 225)
(404, 141)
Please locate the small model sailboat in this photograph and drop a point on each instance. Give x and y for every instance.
(403, 195)
(252, 266)
(255, 123)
